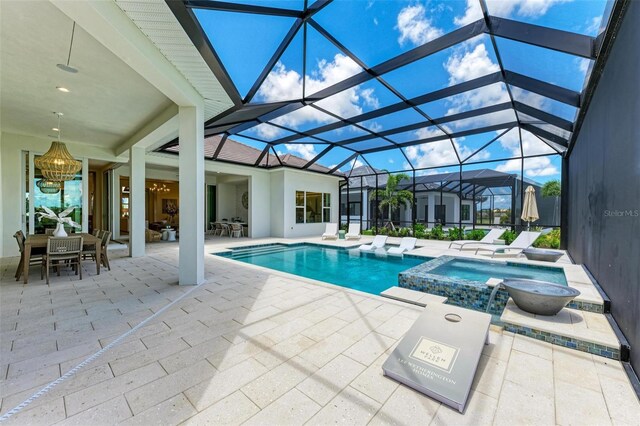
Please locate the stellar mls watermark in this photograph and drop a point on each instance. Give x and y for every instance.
(621, 213)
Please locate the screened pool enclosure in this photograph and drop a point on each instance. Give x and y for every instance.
(484, 96)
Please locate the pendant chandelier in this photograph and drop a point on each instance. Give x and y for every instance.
(156, 188)
(49, 186)
(57, 164)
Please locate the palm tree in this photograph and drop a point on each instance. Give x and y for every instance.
(391, 196)
(552, 188)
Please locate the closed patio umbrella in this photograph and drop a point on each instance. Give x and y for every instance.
(530, 208)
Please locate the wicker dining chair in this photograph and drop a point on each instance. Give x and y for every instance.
(35, 258)
(236, 230)
(67, 249)
(49, 231)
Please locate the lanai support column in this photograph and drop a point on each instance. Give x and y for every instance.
(137, 201)
(191, 184)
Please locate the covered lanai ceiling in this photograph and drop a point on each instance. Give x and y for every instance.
(400, 85)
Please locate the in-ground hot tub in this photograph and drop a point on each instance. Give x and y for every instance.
(539, 297)
(464, 281)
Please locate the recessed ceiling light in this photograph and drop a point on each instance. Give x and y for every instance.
(63, 89)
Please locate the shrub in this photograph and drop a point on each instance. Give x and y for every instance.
(509, 236)
(476, 234)
(367, 232)
(551, 240)
(404, 232)
(456, 233)
(437, 233)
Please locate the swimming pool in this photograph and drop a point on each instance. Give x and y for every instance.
(347, 268)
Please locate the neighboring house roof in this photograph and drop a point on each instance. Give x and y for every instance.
(472, 180)
(237, 152)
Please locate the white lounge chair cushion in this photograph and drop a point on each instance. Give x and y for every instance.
(406, 244)
(354, 231)
(331, 231)
(523, 241)
(490, 238)
(378, 242)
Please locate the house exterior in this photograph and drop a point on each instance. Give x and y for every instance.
(484, 197)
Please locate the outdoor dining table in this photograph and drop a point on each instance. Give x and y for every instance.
(40, 241)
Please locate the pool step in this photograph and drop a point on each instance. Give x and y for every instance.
(580, 330)
(412, 296)
(244, 253)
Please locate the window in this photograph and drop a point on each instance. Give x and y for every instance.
(354, 208)
(466, 212)
(313, 207)
(69, 195)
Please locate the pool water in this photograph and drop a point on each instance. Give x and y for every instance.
(481, 271)
(347, 268)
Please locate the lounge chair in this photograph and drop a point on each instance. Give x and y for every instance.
(491, 236)
(378, 242)
(406, 244)
(523, 241)
(354, 232)
(331, 231)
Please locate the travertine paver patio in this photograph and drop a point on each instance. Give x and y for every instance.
(261, 347)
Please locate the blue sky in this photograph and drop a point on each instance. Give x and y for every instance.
(376, 31)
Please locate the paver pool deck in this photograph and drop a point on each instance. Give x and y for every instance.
(257, 346)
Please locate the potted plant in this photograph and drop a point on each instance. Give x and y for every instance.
(61, 218)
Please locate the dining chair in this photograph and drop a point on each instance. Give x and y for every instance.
(105, 237)
(236, 230)
(68, 249)
(35, 258)
(225, 229)
(49, 231)
(104, 258)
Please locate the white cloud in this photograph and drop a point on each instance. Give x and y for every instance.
(374, 126)
(351, 165)
(284, 84)
(583, 64)
(415, 27)
(470, 64)
(533, 167)
(472, 13)
(467, 64)
(531, 145)
(593, 25)
(506, 8)
(369, 98)
(304, 150)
